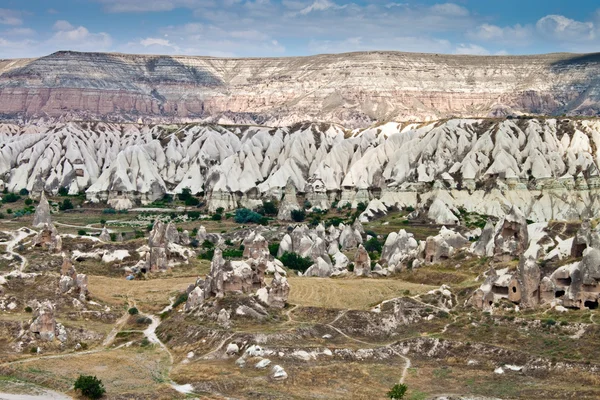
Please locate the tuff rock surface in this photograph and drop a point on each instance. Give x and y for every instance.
(352, 88)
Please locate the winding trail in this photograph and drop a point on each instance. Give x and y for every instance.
(17, 236)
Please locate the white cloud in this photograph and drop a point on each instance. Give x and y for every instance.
(403, 43)
(155, 42)
(515, 35)
(471, 49)
(565, 29)
(320, 5)
(62, 25)
(10, 17)
(80, 39)
(120, 6)
(450, 9)
(20, 32)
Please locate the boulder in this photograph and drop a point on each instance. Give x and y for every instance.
(48, 238)
(289, 202)
(44, 322)
(398, 249)
(510, 237)
(321, 269)
(443, 246)
(350, 237)
(484, 247)
(362, 262)
(104, 235)
(279, 290)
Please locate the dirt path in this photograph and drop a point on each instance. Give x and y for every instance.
(17, 236)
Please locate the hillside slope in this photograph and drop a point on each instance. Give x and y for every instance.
(353, 89)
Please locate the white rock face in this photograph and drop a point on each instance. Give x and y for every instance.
(547, 169)
(375, 86)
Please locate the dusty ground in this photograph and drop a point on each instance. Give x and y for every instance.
(434, 353)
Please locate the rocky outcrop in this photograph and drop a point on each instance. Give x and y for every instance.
(42, 213)
(546, 168)
(376, 86)
(48, 238)
(104, 235)
(275, 294)
(511, 238)
(362, 262)
(398, 249)
(44, 325)
(289, 202)
(443, 246)
(71, 282)
(238, 277)
(156, 258)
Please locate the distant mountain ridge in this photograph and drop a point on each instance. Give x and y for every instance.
(353, 89)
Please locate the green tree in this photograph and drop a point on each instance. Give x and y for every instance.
(298, 215)
(63, 191)
(398, 391)
(65, 205)
(295, 262)
(90, 386)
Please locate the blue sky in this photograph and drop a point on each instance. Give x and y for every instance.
(246, 28)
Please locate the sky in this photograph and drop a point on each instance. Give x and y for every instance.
(276, 28)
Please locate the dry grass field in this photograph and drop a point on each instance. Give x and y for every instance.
(150, 295)
(137, 372)
(356, 294)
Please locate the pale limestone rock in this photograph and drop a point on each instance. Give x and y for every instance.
(48, 238)
(42, 213)
(44, 322)
(289, 202)
(362, 262)
(104, 235)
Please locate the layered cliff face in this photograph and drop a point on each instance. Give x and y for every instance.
(353, 89)
(548, 168)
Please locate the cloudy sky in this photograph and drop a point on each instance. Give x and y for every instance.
(245, 28)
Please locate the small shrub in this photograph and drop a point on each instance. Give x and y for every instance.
(207, 255)
(360, 207)
(9, 210)
(373, 245)
(298, 215)
(109, 211)
(33, 350)
(63, 191)
(10, 198)
(307, 204)
(193, 215)
(81, 232)
(274, 248)
(133, 311)
(192, 201)
(90, 386)
(233, 253)
(397, 392)
(28, 202)
(269, 208)
(244, 216)
(28, 309)
(65, 205)
(113, 237)
(295, 262)
(24, 192)
(216, 217)
(207, 244)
